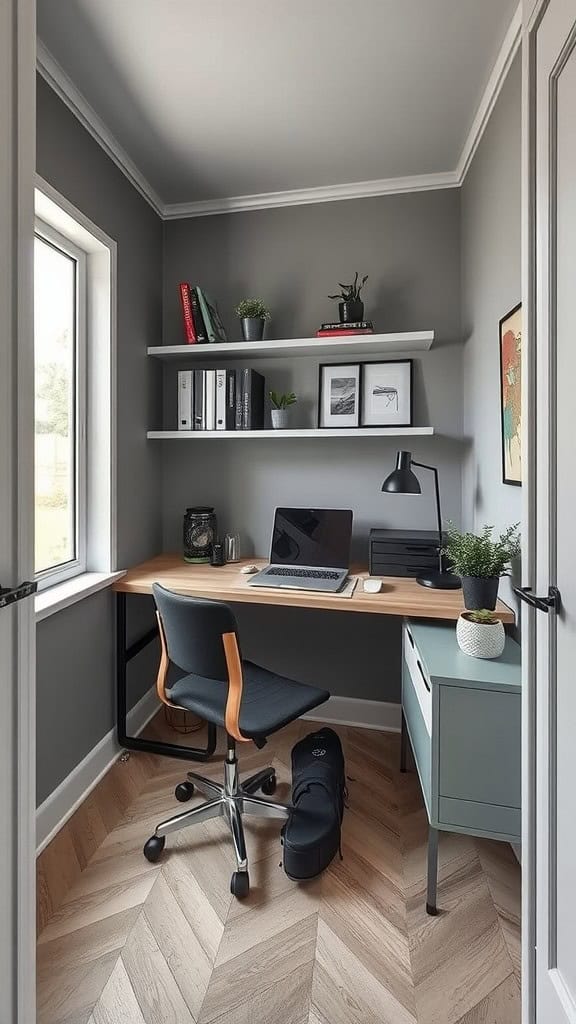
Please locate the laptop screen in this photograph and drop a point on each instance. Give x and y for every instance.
(312, 536)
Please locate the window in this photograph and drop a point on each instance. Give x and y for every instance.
(60, 406)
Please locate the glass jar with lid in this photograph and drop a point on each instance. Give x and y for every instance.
(199, 533)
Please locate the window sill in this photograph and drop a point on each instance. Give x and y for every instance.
(62, 595)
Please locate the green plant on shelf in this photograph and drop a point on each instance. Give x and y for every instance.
(350, 292)
(282, 401)
(252, 309)
(483, 617)
(470, 554)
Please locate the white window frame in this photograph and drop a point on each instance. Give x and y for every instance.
(74, 567)
(101, 259)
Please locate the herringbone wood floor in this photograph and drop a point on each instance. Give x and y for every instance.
(136, 943)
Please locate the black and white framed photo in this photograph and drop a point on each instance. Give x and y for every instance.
(339, 398)
(386, 394)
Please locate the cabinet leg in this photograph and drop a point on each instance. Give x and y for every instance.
(432, 885)
(403, 743)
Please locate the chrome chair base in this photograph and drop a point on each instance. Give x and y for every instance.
(231, 801)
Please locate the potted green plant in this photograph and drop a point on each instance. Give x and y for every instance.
(253, 315)
(280, 409)
(480, 634)
(480, 561)
(351, 306)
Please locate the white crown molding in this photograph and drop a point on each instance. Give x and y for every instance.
(307, 196)
(508, 51)
(65, 89)
(71, 96)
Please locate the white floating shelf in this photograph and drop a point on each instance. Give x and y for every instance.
(356, 345)
(223, 435)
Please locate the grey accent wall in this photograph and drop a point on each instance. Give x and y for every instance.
(292, 258)
(491, 286)
(75, 647)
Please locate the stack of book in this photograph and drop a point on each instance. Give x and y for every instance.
(220, 400)
(201, 320)
(341, 330)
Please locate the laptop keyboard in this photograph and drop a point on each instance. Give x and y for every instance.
(308, 574)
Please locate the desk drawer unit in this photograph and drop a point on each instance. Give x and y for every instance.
(462, 716)
(402, 553)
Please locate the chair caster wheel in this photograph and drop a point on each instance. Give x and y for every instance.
(240, 884)
(269, 787)
(184, 791)
(153, 848)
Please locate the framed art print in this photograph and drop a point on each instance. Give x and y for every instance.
(387, 394)
(339, 398)
(511, 394)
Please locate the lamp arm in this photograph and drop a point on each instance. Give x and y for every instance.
(432, 469)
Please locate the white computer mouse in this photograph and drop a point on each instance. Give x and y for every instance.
(372, 586)
(247, 570)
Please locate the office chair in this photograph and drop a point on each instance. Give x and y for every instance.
(251, 703)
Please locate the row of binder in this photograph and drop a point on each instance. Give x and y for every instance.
(220, 400)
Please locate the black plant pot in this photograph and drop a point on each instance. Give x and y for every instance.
(351, 312)
(480, 592)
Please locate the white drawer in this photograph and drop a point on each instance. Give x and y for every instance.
(419, 678)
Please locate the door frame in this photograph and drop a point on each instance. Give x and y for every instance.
(529, 27)
(533, 13)
(17, 625)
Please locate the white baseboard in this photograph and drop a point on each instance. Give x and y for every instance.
(363, 714)
(53, 814)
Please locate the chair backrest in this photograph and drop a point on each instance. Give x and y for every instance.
(193, 628)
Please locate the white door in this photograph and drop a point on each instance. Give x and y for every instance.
(17, 766)
(554, 64)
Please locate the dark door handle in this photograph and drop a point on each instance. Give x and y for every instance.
(543, 604)
(10, 595)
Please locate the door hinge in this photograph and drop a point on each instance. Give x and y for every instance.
(543, 604)
(10, 595)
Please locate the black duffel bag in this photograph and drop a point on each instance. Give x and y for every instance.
(311, 836)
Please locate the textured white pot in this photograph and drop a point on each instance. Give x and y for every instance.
(480, 639)
(280, 418)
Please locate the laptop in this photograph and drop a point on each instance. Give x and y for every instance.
(310, 550)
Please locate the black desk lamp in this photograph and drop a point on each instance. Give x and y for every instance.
(403, 481)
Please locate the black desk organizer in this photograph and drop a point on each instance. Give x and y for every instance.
(407, 553)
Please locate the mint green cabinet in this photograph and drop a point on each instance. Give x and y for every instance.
(462, 716)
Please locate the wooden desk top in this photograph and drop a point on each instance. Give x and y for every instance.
(397, 597)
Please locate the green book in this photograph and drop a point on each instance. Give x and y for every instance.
(214, 326)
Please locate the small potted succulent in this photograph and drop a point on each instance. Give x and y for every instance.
(480, 634)
(351, 306)
(280, 409)
(480, 561)
(253, 315)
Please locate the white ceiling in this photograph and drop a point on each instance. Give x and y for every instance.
(217, 98)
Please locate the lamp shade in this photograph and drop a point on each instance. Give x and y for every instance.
(402, 480)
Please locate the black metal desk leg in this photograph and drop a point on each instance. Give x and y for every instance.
(432, 885)
(124, 654)
(403, 743)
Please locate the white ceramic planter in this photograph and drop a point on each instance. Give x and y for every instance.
(280, 418)
(480, 639)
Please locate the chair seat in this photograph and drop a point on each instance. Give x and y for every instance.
(269, 701)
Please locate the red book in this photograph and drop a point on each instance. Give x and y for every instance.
(189, 328)
(342, 334)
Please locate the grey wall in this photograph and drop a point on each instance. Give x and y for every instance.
(75, 647)
(491, 285)
(409, 244)
(430, 256)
